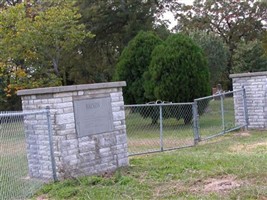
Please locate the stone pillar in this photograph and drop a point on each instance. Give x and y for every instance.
(88, 127)
(255, 85)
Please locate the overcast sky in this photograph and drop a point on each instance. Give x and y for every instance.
(186, 1)
(170, 16)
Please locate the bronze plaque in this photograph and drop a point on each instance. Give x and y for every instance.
(93, 116)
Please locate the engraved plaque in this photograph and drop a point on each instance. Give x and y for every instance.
(93, 116)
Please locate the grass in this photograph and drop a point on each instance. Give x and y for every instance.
(211, 121)
(14, 183)
(143, 136)
(229, 167)
(179, 174)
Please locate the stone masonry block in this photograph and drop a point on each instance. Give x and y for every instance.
(63, 105)
(120, 115)
(65, 118)
(73, 154)
(70, 126)
(104, 150)
(87, 157)
(123, 162)
(121, 127)
(255, 85)
(65, 132)
(107, 141)
(69, 144)
(121, 139)
(68, 110)
(80, 93)
(67, 99)
(116, 109)
(54, 100)
(71, 136)
(117, 123)
(117, 104)
(116, 94)
(87, 147)
(115, 99)
(62, 94)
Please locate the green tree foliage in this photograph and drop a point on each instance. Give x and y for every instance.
(114, 23)
(34, 40)
(264, 42)
(178, 72)
(232, 20)
(132, 64)
(16, 71)
(216, 53)
(56, 32)
(249, 57)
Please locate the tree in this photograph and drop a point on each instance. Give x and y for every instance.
(132, 64)
(15, 73)
(45, 33)
(264, 42)
(249, 57)
(216, 53)
(177, 72)
(55, 32)
(34, 40)
(114, 23)
(232, 20)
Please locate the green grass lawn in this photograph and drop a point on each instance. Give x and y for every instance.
(229, 167)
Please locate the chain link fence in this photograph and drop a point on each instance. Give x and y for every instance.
(16, 182)
(216, 114)
(160, 126)
(153, 127)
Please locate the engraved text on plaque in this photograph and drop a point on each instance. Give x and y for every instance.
(93, 116)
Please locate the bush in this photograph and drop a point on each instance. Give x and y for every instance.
(133, 62)
(177, 72)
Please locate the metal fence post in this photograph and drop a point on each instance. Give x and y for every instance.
(195, 123)
(161, 128)
(222, 111)
(53, 164)
(245, 107)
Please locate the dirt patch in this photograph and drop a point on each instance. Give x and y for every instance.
(242, 134)
(247, 148)
(164, 190)
(256, 145)
(167, 142)
(220, 185)
(42, 197)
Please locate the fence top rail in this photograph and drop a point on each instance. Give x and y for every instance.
(21, 113)
(159, 104)
(218, 95)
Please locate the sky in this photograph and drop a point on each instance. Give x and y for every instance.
(186, 1)
(170, 17)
